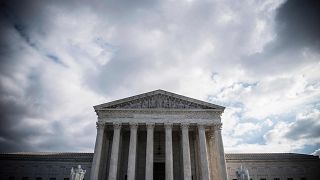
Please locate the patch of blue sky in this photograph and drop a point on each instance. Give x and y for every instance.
(308, 149)
(24, 35)
(245, 84)
(213, 99)
(287, 118)
(55, 59)
(253, 138)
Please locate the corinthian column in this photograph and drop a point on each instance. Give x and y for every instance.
(169, 162)
(149, 154)
(204, 166)
(97, 152)
(221, 157)
(186, 152)
(114, 152)
(132, 152)
(214, 175)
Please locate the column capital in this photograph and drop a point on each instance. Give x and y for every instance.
(217, 127)
(168, 125)
(150, 125)
(211, 134)
(201, 126)
(116, 125)
(184, 125)
(133, 125)
(100, 125)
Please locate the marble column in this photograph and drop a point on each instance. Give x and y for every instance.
(97, 152)
(132, 152)
(169, 156)
(186, 152)
(214, 175)
(204, 166)
(221, 156)
(114, 152)
(149, 151)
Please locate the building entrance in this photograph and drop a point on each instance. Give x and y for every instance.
(159, 171)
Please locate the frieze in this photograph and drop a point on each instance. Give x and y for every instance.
(159, 101)
(206, 122)
(159, 114)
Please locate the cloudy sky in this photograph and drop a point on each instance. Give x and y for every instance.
(260, 59)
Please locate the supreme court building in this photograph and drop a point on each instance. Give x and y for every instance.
(158, 136)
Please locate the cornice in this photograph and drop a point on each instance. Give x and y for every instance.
(165, 96)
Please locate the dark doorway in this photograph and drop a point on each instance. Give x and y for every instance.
(159, 171)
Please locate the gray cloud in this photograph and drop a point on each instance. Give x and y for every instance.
(58, 58)
(308, 127)
(298, 24)
(297, 30)
(304, 129)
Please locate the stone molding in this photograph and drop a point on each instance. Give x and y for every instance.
(159, 113)
(151, 125)
(159, 121)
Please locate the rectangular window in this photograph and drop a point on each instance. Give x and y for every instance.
(303, 178)
(276, 178)
(53, 179)
(66, 179)
(38, 178)
(290, 179)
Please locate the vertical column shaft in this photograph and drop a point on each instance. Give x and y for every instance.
(204, 166)
(186, 152)
(149, 152)
(221, 156)
(97, 152)
(169, 156)
(214, 175)
(114, 152)
(132, 152)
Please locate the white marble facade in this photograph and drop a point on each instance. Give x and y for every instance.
(159, 135)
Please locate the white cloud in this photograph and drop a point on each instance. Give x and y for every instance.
(245, 128)
(316, 153)
(67, 59)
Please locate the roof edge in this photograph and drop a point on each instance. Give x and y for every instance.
(159, 91)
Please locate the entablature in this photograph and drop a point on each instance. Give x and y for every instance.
(159, 113)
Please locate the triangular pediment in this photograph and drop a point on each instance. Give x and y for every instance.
(158, 99)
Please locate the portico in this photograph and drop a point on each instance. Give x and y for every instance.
(139, 135)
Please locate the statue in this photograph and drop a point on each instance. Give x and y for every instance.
(77, 174)
(242, 173)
